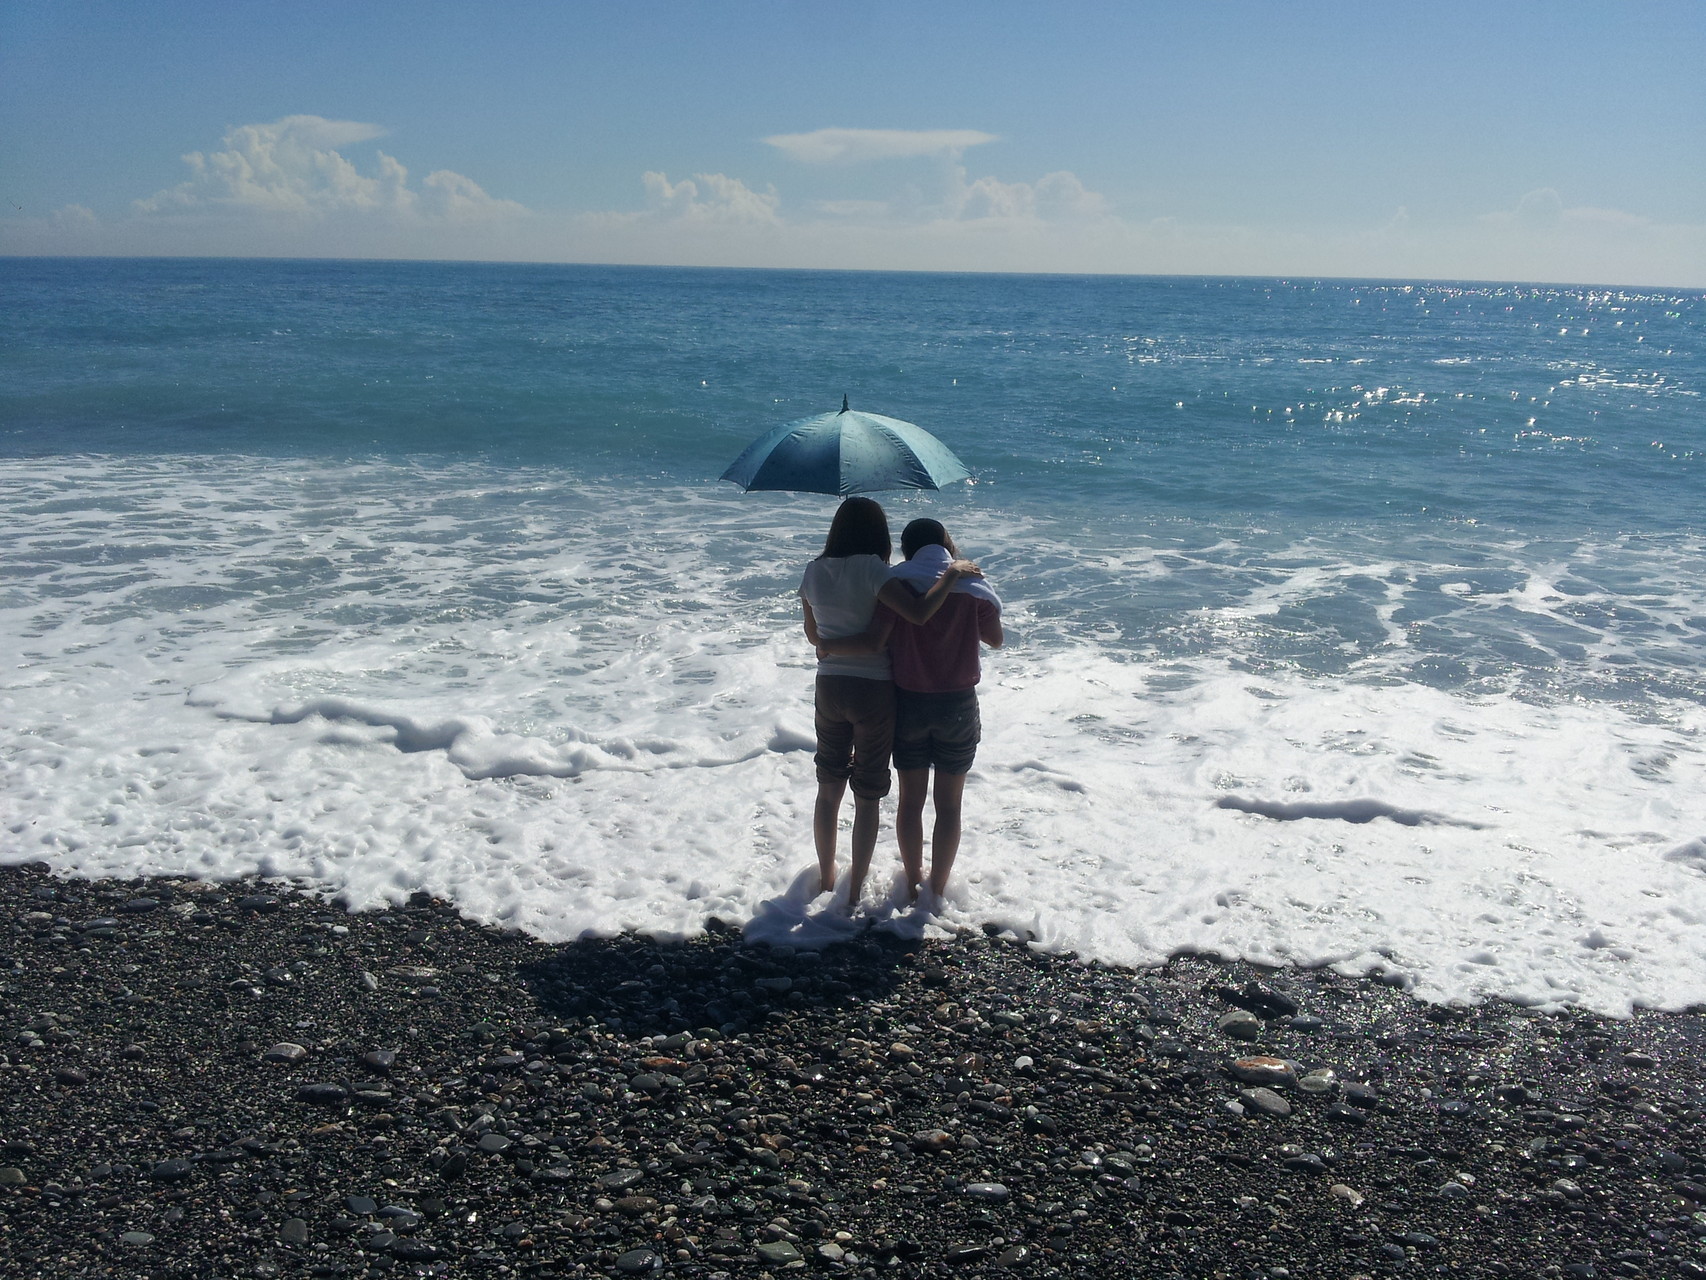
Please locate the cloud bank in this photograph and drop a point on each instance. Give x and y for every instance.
(856, 146)
(291, 168)
(309, 186)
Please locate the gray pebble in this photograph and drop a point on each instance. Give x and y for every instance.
(1264, 1100)
(1241, 1025)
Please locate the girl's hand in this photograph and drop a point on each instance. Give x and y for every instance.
(965, 569)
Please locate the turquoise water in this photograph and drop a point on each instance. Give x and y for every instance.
(1433, 545)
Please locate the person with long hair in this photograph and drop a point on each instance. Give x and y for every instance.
(854, 694)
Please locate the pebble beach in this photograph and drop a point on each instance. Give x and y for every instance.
(238, 1079)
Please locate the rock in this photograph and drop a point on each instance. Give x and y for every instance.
(414, 1250)
(988, 1192)
(1265, 1001)
(380, 1060)
(1340, 1191)
(1265, 1101)
(12, 1176)
(1640, 1061)
(171, 1170)
(136, 1237)
(1339, 1113)
(323, 1095)
(362, 1206)
(293, 1232)
(637, 1262)
(1240, 1025)
(70, 1077)
(1360, 1095)
(285, 1051)
(778, 1253)
(1308, 1162)
(1013, 1256)
(494, 1143)
(621, 1179)
(1273, 1072)
(1320, 1080)
(259, 903)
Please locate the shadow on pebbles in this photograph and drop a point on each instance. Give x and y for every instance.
(239, 1080)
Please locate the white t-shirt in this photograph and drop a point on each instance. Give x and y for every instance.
(842, 591)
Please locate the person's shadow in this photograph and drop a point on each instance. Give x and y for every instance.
(721, 980)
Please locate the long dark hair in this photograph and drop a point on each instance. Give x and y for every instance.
(925, 532)
(859, 529)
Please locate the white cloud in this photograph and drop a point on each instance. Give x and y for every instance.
(1054, 197)
(292, 169)
(710, 198)
(854, 146)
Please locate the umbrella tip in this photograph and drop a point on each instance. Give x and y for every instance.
(843, 402)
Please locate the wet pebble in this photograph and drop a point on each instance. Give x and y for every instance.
(1263, 1070)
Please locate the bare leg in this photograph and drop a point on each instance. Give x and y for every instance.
(909, 825)
(867, 813)
(945, 839)
(826, 817)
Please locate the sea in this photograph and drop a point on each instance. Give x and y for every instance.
(1350, 623)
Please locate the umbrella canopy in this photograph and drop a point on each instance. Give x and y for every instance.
(846, 452)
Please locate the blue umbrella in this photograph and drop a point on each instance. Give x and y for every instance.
(846, 452)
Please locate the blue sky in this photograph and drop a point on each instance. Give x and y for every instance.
(1539, 141)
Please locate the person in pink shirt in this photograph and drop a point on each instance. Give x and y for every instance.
(936, 667)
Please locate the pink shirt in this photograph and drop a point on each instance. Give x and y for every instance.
(942, 655)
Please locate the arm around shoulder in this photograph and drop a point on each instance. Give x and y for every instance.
(989, 626)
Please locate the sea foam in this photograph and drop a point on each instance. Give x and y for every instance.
(580, 708)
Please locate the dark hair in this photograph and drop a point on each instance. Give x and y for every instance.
(925, 532)
(859, 529)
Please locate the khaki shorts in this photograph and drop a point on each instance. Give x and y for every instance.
(936, 729)
(855, 732)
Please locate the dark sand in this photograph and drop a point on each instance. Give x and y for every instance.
(709, 1109)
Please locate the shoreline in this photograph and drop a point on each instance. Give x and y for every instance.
(237, 1078)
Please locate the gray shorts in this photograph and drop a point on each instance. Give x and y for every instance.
(936, 729)
(855, 725)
